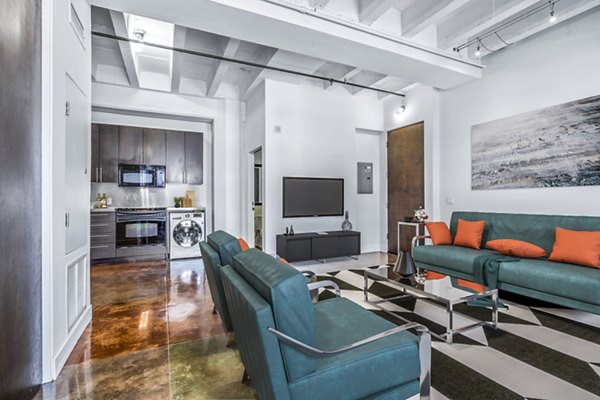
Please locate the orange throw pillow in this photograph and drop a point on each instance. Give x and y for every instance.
(243, 244)
(577, 247)
(439, 232)
(516, 248)
(283, 260)
(469, 234)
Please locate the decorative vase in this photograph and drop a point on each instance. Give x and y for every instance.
(346, 225)
(421, 214)
(291, 230)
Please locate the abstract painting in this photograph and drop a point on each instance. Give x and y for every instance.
(554, 146)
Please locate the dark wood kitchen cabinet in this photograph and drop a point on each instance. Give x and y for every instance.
(154, 150)
(175, 156)
(185, 157)
(194, 158)
(105, 145)
(131, 141)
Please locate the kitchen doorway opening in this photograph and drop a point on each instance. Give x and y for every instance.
(257, 198)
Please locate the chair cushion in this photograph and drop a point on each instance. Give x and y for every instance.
(284, 287)
(450, 257)
(225, 244)
(212, 267)
(566, 280)
(389, 362)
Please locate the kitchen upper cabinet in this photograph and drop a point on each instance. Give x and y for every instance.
(109, 148)
(154, 151)
(105, 145)
(175, 156)
(194, 158)
(95, 172)
(131, 143)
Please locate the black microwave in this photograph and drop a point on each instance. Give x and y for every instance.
(142, 175)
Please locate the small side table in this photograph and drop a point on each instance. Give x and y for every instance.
(418, 226)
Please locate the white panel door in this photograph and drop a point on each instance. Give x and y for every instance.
(77, 204)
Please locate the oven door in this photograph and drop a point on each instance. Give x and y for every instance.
(139, 229)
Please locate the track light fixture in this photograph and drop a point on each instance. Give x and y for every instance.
(400, 110)
(552, 16)
(479, 40)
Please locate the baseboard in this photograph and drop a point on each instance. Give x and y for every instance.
(69, 345)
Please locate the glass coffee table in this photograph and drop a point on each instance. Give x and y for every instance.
(438, 289)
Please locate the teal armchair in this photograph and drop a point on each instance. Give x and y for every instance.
(219, 246)
(334, 349)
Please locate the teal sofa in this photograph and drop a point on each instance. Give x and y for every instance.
(564, 284)
(218, 250)
(334, 349)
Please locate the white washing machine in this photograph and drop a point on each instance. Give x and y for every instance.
(186, 231)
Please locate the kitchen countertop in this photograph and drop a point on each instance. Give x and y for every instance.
(169, 209)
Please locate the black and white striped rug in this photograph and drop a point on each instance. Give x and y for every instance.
(540, 351)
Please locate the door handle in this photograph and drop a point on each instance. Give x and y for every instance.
(66, 220)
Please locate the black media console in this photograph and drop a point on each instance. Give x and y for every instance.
(317, 246)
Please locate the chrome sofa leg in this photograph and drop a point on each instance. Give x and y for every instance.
(425, 361)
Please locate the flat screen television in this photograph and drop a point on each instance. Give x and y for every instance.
(313, 197)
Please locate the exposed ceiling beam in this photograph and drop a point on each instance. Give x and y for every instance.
(380, 80)
(323, 37)
(343, 75)
(317, 3)
(564, 15)
(499, 18)
(265, 58)
(179, 36)
(433, 15)
(118, 21)
(226, 48)
(371, 10)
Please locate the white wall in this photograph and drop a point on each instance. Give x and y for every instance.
(62, 54)
(226, 120)
(557, 66)
(319, 139)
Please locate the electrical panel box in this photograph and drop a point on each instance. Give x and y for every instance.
(365, 177)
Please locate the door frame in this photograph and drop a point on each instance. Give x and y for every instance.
(250, 162)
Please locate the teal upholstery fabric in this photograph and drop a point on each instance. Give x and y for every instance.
(533, 228)
(259, 349)
(398, 392)
(452, 257)
(213, 273)
(226, 245)
(565, 284)
(551, 298)
(284, 287)
(565, 280)
(389, 362)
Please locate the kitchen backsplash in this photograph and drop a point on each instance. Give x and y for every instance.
(146, 197)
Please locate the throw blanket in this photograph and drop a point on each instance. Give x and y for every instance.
(486, 268)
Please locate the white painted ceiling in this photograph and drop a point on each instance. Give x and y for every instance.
(386, 44)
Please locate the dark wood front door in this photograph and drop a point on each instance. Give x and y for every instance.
(406, 181)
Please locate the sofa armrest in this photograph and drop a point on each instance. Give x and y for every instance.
(323, 284)
(415, 241)
(424, 338)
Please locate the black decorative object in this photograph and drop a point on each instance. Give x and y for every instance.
(287, 231)
(405, 265)
(291, 230)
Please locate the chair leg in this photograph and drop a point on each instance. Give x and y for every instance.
(245, 377)
(425, 361)
(230, 339)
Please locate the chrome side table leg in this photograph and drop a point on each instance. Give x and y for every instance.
(495, 309)
(450, 326)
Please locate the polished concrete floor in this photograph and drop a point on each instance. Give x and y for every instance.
(153, 336)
